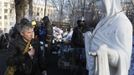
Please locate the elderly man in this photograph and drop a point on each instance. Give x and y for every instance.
(111, 41)
(23, 56)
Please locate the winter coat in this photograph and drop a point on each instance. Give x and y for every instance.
(77, 40)
(24, 64)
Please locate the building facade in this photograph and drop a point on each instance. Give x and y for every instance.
(39, 10)
(7, 15)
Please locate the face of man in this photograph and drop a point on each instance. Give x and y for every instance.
(81, 23)
(27, 34)
(46, 20)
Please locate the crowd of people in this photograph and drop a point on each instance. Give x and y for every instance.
(45, 39)
(104, 51)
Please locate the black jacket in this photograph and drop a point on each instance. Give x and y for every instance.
(24, 64)
(77, 40)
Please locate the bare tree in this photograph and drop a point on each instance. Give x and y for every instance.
(75, 11)
(54, 2)
(129, 8)
(61, 10)
(59, 5)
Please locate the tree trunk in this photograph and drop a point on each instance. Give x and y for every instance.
(20, 6)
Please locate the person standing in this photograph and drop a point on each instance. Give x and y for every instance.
(78, 45)
(24, 52)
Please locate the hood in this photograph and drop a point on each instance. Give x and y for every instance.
(112, 7)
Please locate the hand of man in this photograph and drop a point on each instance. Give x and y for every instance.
(31, 51)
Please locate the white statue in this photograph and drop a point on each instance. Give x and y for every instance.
(111, 41)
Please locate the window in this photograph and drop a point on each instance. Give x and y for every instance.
(41, 9)
(5, 10)
(12, 6)
(6, 4)
(0, 17)
(11, 11)
(38, 14)
(5, 17)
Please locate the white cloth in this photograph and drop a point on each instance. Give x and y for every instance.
(57, 33)
(112, 36)
(68, 36)
(65, 34)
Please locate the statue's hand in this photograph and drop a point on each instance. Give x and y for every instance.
(92, 53)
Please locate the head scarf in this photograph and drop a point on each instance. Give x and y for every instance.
(112, 7)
